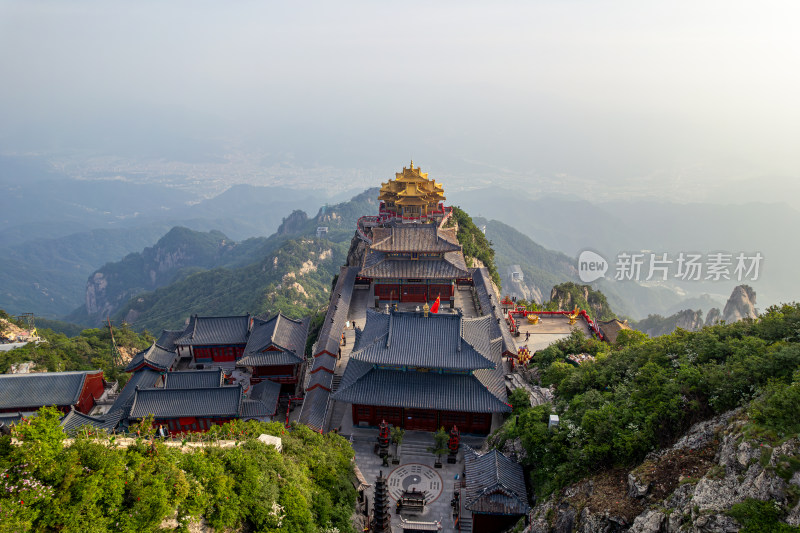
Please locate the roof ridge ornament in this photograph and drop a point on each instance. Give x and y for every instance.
(389, 333)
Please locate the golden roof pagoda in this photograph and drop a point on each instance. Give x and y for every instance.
(411, 194)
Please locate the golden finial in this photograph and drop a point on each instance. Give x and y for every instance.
(412, 164)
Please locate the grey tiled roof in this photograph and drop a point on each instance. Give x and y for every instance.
(323, 361)
(315, 404)
(438, 341)
(375, 327)
(315, 408)
(168, 338)
(379, 265)
(415, 238)
(417, 390)
(321, 378)
(286, 334)
(215, 330)
(194, 379)
(143, 379)
(9, 419)
(494, 379)
(32, 391)
(330, 334)
(174, 403)
(75, 420)
(255, 409)
(482, 281)
(155, 356)
(494, 484)
(267, 393)
(270, 358)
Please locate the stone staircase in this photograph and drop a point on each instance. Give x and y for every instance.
(415, 448)
(337, 414)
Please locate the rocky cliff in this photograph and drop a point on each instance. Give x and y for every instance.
(355, 255)
(740, 305)
(294, 223)
(713, 317)
(655, 325)
(691, 486)
(570, 295)
(111, 286)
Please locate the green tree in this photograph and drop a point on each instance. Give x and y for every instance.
(397, 434)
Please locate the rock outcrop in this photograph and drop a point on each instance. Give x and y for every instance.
(740, 305)
(111, 286)
(656, 325)
(294, 223)
(688, 487)
(355, 255)
(713, 317)
(520, 289)
(570, 295)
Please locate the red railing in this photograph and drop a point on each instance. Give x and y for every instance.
(386, 216)
(581, 313)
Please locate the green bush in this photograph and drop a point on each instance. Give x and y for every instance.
(474, 242)
(760, 517)
(646, 395)
(88, 486)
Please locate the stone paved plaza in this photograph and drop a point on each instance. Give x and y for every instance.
(415, 471)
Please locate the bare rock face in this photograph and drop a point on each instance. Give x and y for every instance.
(650, 521)
(95, 292)
(637, 488)
(726, 468)
(690, 320)
(293, 223)
(713, 317)
(740, 305)
(355, 255)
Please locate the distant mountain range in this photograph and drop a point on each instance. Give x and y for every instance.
(189, 272)
(45, 264)
(571, 225)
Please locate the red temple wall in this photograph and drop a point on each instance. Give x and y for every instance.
(218, 354)
(492, 523)
(190, 424)
(93, 387)
(413, 292)
(422, 419)
(277, 370)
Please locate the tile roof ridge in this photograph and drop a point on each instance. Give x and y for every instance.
(389, 333)
(80, 389)
(496, 466)
(460, 329)
(241, 399)
(275, 329)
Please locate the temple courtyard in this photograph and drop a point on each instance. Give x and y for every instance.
(415, 471)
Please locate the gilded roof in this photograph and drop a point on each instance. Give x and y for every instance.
(412, 187)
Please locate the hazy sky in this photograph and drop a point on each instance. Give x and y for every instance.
(634, 93)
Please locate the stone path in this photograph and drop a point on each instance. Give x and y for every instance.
(547, 331)
(416, 470)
